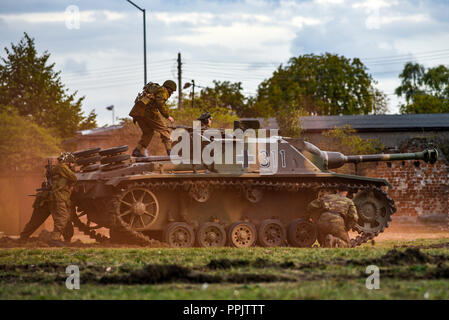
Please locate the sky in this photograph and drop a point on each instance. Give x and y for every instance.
(100, 54)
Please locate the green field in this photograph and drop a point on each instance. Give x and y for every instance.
(408, 270)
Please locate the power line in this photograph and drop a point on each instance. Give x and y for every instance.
(427, 58)
(120, 76)
(121, 66)
(111, 71)
(405, 55)
(109, 77)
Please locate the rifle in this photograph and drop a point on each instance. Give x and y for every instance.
(48, 174)
(46, 185)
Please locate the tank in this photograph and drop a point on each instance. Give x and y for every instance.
(252, 201)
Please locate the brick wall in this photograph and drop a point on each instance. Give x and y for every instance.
(419, 188)
(417, 191)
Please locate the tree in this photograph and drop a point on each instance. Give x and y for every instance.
(29, 84)
(426, 103)
(425, 91)
(319, 85)
(412, 81)
(225, 101)
(346, 140)
(23, 144)
(380, 103)
(224, 95)
(222, 117)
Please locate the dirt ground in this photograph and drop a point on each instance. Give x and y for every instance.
(411, 231)
(397, 231)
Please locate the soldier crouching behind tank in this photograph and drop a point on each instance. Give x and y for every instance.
(334, 215)
(148, 107)
(54, 198)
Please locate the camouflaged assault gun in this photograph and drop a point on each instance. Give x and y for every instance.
(152, 200)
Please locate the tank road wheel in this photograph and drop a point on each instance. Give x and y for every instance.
(253, 195)
(242, 234)
(374, 211)
(211, 234)
(271, 233)
(179, 235)
(302, 233)
(139, 208)
(199, 192)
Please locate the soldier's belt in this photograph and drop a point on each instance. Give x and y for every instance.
(336, 213)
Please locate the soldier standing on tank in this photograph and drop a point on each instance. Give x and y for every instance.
(334, 215)
(206, 120)
(148, 108)
(43, 206)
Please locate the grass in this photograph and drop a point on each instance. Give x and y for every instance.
(225, 273)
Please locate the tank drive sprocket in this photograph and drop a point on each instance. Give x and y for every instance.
(134, 208)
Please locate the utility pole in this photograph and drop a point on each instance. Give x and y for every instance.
(144, 42)
(179, 81)
(193, 92)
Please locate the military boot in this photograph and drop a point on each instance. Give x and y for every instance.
(23, 239)
(68, 232)
(55, 240)
(330, 241)
(138, 151)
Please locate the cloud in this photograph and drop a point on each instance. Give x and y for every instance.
(242, 40)
(329, 2)
(247, 39)
(299, 21)
(372, 5)
(376, 21)
(61, 16)
(74, 66)
(194, 18)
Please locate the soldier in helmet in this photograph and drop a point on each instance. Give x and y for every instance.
(334, 215)
(148, 108)
(41, 211)
(53, 199)
(206, 120)
(63, 180)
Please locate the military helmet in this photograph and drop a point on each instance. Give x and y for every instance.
(206, 115)
(66, 157)
(169, 84)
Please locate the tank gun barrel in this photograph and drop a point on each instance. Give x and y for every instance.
(337, 159)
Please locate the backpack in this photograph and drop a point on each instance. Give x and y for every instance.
(143, 99)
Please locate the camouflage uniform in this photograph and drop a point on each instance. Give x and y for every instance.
(147, 111)
(42, 207)
(63, 181)
(333, 215)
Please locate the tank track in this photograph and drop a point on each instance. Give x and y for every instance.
(135, 236)
(186, 185)
(84, 228)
